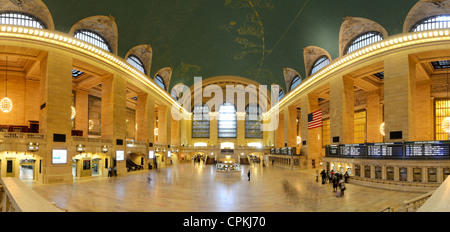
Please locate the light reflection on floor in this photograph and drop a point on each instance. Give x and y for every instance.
(198, 188)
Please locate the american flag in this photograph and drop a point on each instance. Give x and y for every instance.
(315, 120)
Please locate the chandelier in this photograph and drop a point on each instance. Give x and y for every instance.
(74, 113)
(382, 132)
(6, 104)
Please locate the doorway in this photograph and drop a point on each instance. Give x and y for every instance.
(10, 168)
(26, 171)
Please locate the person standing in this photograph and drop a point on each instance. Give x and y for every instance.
(248, 174)
(109, 172)
(334, 180)
(342, 187)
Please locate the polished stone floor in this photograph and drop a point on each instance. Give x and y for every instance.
(198, 188)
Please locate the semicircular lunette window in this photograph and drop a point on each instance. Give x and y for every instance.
(159, 81)
(92, 38)
(296, 82)
(20, 19)
(432, 23)
(320, 64)
(363, 40)
(136, 63)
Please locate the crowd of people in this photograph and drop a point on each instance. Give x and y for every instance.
(336, 179)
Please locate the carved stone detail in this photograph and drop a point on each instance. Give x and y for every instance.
(35, 8)
(289, 75)
(310, 55)
(166, 75)
(424, 9)
(145, 54)
(354, 26)
(105, 25)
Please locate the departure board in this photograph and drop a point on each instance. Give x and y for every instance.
(434, 148)
(333, 150)
(353, 150)
(385, 149)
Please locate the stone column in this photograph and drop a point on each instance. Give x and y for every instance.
(279, 133)
(240, 139)
(313, 138)
(82, 112)
(213, 129)
(145, 116)
(292, 126)
(114, 116)
(399, 103)
(55, 115)
(374, 117)
(164, 129)
(342, 110)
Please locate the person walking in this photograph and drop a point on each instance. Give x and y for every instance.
(248, 174)
(335, 183)
(346, 176)
(342, 187)
(317, 175)
(324, 176)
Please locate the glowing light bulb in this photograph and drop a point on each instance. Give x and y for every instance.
(6, 105)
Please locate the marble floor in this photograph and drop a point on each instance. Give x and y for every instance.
(198, 188)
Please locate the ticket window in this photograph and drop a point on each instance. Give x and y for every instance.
(432, 177)
(357, 170)
(403, 174)
(367, 171)
(446, 173)
(417, 177)
(390, 173)
(378, 172)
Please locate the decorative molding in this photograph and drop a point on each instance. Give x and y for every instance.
(145, 54)
(310, 55)
(289, 75)
(424, 9)
(35, 8)
(104, 25)
(354, 26)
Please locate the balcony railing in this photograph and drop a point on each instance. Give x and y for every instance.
(19, 135)
(16, 197)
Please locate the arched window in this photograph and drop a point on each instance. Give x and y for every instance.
(200, 121)
(363, 40)
(295, 82)
(93, 38)
(136, 62)
(227, 121)
(280, 95)
(319, 64)
(21, 19)
(159, 81)
(253, 121)
(431, 23)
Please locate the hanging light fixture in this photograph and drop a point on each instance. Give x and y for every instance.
(382, 129)
(6, 104)
(446, 122)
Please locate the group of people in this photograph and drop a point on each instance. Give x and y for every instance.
(110, 172)
(337, 179)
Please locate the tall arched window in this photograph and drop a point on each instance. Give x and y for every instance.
(322, 62)
(21, 19)
(200, 121)
(280, 95)
(295, 82)
(431, 23)
(136, 63)
(253, 121)
(363, 40)
(227, 121)
(93, 38)
(159, 81)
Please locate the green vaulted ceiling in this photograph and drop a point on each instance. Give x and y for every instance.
(254, 39)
